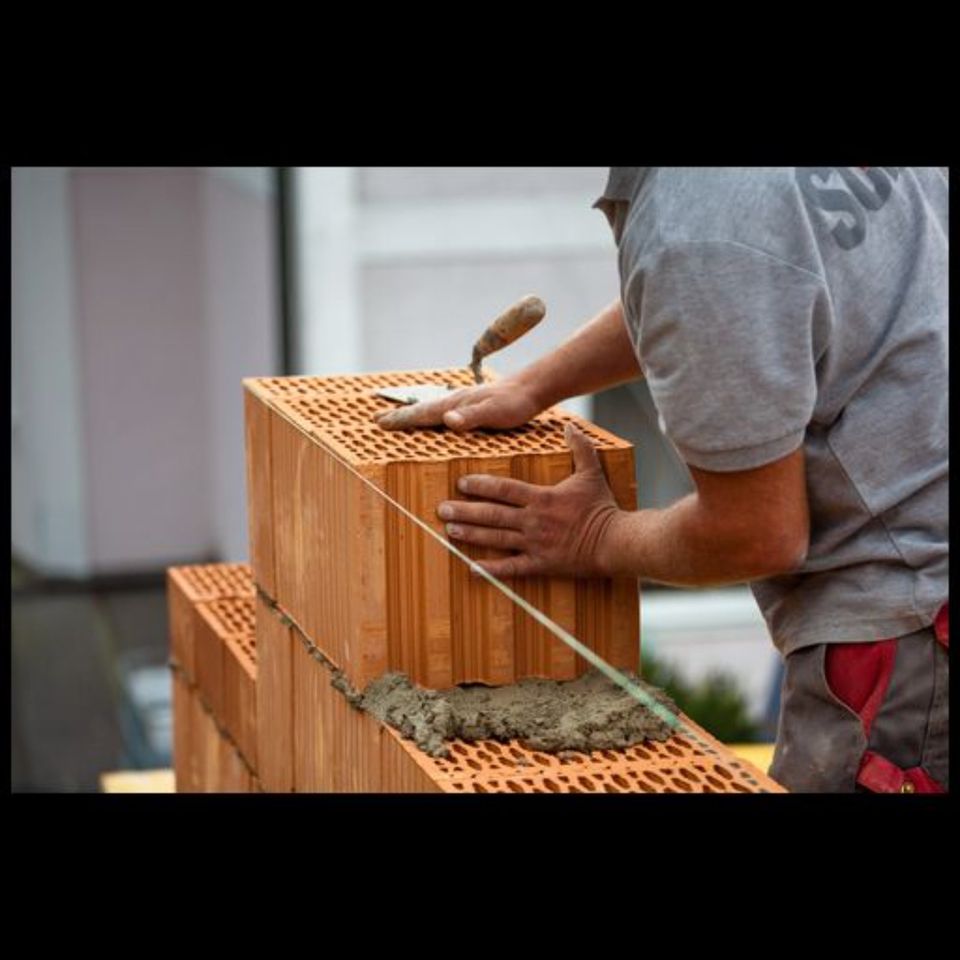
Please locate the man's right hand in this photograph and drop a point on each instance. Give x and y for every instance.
(500, 405)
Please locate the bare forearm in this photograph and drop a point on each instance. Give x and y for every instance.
(686, 545)
(598, 356)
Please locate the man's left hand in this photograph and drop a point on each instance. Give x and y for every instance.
(556, 530)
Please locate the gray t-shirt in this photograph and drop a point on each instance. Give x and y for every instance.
(780, 306)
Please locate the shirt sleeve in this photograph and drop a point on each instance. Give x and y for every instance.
(725, 337)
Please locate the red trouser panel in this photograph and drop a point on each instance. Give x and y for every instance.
(941, 626)
(859, 674)
(881, 776)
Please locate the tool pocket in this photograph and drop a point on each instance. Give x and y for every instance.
(820, 739)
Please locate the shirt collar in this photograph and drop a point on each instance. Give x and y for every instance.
(622, 184)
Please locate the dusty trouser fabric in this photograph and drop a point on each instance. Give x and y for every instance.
(890, 730)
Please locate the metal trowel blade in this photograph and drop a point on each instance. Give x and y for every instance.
(419, 393)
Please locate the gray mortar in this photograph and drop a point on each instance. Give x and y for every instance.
(589, 713)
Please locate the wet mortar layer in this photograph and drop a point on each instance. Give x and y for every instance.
(553, 716)
(586, 714)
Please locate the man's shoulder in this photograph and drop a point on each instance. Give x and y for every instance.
(750, 208)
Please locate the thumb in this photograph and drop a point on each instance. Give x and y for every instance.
(585, 456)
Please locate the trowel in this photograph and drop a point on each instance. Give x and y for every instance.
(512, 324)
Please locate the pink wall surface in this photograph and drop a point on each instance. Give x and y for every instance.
(143, 364)
(243, 339)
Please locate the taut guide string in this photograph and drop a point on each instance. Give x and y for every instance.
(665, 714)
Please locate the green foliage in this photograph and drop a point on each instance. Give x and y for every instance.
(716, 702)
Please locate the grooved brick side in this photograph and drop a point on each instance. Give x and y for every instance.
(274, 701)
(185, 761)
(259, 493)
(374, 591)
(205, 761)
(227, 668)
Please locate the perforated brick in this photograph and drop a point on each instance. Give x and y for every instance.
(189, 585)
(227, 668)
(277, 387)
(213, 647)
(344, 422)
(214, 581)
(233, 616)
(678, 765)
(369, 586)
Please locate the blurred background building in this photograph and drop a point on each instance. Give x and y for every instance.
(142, 296)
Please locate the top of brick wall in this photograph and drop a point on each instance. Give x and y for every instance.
(338, 411)
(213, 581)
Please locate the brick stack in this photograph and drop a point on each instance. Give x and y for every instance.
(342, 749)
(345, 582)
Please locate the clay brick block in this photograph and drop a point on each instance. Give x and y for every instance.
(240, 694)
(274, 650)
(233, 774)
(374, 591)
(206, 746)
(185, 761)
(215, 678)
(308, 719)
(205, 759)
(260, 493)
(226, 668)
(685, 763)
(186, 587)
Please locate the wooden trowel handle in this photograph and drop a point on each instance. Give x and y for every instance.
(512, 324)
